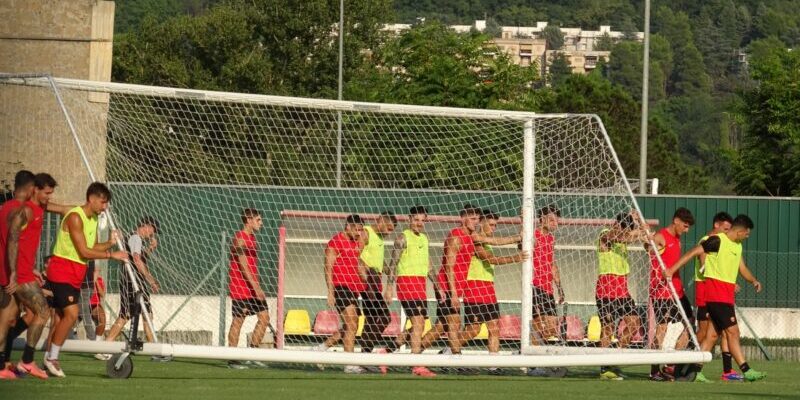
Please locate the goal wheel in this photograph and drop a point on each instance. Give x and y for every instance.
(124, 371)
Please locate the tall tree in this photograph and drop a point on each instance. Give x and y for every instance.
(554, 37)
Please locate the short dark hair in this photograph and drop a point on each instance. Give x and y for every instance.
(389, 216)
(98, 189)
(248, 213)
(23, 178)
(722, 216)
(626, 221)
(743, 221)
(417, 210)
(43, 180)
(489, 214)
(469, 209)
(548, 209)
(149, 220)
(683, 214)
(354, 219)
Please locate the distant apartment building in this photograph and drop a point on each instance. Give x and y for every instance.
(526, 46)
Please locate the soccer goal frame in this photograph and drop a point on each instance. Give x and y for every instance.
(543, 356)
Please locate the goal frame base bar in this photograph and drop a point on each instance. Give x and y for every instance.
(590, 358)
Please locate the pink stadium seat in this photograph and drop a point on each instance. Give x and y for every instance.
(510, 327)
(638, 336)
(575, 331)
(326, 322)
(393, 329)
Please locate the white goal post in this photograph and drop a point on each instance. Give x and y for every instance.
(195, 159)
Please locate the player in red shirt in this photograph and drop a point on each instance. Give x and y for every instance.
(459, 247)
(23, 190)
(247, 297)
(545, 277)
(344, 277)
(668, 245)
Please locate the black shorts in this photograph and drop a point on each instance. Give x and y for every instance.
(127, 302)
(722, 315)
(702, 313)
(344, 297)
(415, 308)
(666, 311)
(373, 305)
(241, 308)
(611, 310)
(64, 294)
(544, 304)
(444, 307)
(687, 308)
(475, 313)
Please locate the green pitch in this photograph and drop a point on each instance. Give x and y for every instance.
(212, 380)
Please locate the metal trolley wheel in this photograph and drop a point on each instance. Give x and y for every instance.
(125, 369)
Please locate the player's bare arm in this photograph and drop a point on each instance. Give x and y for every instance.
(330, 259)
(75, 229)
(145, 272)
(451, 247)
(59, 208)
(478, 237)
(557, 283)
(748, 276)
(685, 258)
(19, 218)
(488, 256)
(391, 268)
(244, 268)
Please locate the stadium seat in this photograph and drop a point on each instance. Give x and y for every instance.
(427, 325)
(326, 322)
(360, 325)
(393, 329)
(483, 334)
(510, 327)
(575, 331)
(594, 329)
(297, 322)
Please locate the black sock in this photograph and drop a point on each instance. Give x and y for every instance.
(13, 333)
(727, 362)
(2, 359)
(654, 369)
(744, 367)
(603, 368)
(27, 354)
(366, 349)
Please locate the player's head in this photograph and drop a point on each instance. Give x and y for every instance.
(417, 216)
(488, 222)
(741, 227)
(97, 197)
(548, 217)
(23, 184)
(148, 226)
(43, 187)
(625, 221)
(682, 220)
(251, 219)
(386, 223)
(722, 222)
(353, 226)
(470, 215)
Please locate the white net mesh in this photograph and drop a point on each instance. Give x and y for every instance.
(194, 160)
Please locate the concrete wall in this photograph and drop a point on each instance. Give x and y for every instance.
(71, 39)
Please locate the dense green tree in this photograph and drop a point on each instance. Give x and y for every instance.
(625, 67)
(559, 69)
(554, 37)
(769, 161)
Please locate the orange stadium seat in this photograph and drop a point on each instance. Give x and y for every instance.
(510, 327)
(575, 331)
(326, 322)
(393, 329)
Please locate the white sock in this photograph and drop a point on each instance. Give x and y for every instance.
(100, 339)
(54, 350)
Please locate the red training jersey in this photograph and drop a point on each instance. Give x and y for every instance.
(543, 255)
(461, 267)
(480, 292)
(670, 255)
(610, 286)
(411, 288)
(239, 287)
(345, 268)
(7, 208)
(700, 293)
(62, 270)
(29, 244)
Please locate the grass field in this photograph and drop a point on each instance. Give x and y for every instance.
(211, 379)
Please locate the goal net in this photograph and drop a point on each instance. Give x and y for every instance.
(195, 160)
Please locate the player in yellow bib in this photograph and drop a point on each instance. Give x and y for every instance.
(723, 265)
(374, 307)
